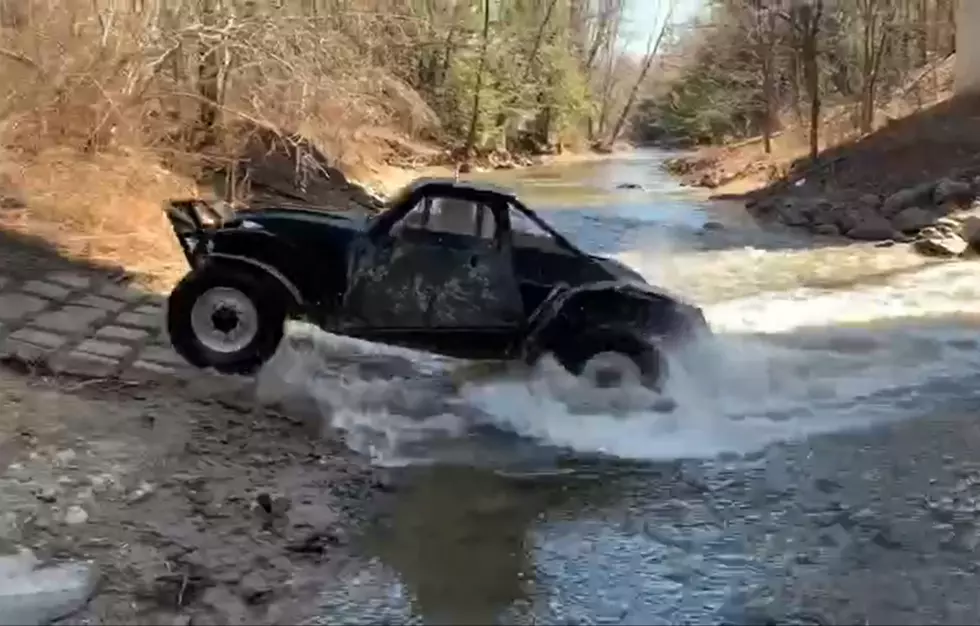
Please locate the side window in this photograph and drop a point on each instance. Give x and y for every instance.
(455, 216)
(520, 223)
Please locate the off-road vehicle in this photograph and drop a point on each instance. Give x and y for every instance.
(454, 268)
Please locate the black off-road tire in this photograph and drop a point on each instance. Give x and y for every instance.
(267, 297)
(645, 355)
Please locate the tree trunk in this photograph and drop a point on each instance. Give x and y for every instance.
(653, 45)
(208, 72)
(475, 117)
(768, 91)
(810, 21)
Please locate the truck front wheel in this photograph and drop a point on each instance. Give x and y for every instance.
(614, 358)
(226, 317)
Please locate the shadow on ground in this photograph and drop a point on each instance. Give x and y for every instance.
(26, 256)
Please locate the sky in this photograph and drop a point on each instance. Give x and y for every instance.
(646, 15)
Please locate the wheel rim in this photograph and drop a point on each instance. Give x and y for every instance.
(611, 369)
(224, 320)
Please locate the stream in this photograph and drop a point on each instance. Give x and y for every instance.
(820, 466)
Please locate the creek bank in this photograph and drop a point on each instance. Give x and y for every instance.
(939, 218)
(295, 172)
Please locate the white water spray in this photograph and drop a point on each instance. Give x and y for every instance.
(781, 366)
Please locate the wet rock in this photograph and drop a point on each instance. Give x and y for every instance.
(826, 485)
(964, 538)
(75, 515)
(970, 231)
(913, 196)
(272, 505)
(46, 494)
(830, 230)
(225, 606)
(254, 586)
(951, 191)
(712, 225)
(34, 594)
(870, 200)
(939, 242)
(792, 213)
(912, 220)
(872, 228)
(144, 491)
(887, 538)
(629, 186)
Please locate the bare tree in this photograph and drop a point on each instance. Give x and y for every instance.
(653, 46)
(875, 16)
(805, 17)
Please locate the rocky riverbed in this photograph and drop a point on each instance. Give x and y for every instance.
(174, 507)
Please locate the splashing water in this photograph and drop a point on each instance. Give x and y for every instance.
(782, 364)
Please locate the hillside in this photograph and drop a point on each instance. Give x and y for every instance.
(141, 101)
(920, 110)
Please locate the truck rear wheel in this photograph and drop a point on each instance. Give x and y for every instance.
(228, 318)
(614, 358)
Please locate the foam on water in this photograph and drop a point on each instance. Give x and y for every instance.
(780, 367)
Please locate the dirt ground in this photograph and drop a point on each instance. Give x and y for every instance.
(196, 508)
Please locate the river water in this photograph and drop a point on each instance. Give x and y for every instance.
(821, 465)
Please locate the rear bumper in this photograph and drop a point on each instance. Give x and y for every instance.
(193, 221)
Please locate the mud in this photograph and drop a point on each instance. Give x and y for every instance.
(194, 509)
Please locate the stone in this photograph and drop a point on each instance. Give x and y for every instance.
(830, 230)
(912, 219)
(16, 306)
(122, 293)
(70, 319)
(938, 244)
(149, 367)
(161, 355)
(122, 333)
(46, 494)
(792, 214)
(71, 279)
(149, 309)
(872, 228)
(75, 515)
(23, 351)
(104, 348)
(48, 290)
(139, 320)
(970, 231)
(955, 192)
(81, 364)
(253, 586)
(225, 606)
(39, 338)
(99, 302)
(34, 594)
(870, 200)
(913, 196)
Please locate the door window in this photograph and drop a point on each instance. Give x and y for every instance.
(445, 215)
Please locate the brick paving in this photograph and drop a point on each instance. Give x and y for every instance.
(81, 324)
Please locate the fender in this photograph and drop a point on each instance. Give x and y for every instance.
(567, 311)
(264, 249)
(288, 285)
